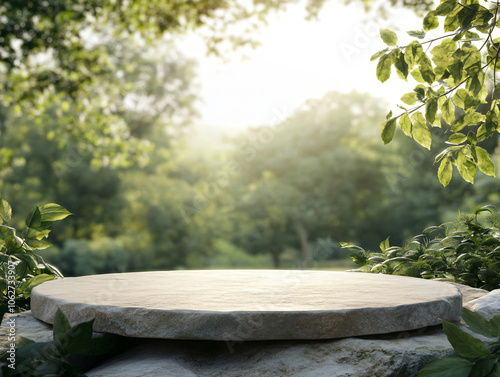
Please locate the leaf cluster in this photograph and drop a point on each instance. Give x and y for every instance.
(17, 249)
(475, 358)
(452, 80)
(56, 358)
(466, 252)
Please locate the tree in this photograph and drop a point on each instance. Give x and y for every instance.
(457, 75)
(43, 163)
(61, 47)
(313, 175)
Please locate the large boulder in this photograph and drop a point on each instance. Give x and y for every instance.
(401, 354)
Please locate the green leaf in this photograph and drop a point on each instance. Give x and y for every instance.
(431, 108)
(420, 131)
(448, 111)
(482, 18)
(36, 233)
(379, 54)
(430, 21)
(478, 323)
(489, 127)
(412, 53)
(475, 83)
(442, 55)
(445, 8)
(409, 98)
(79, 337)
(5, 210)
(484, 162)
(495, 326)
(401, 66)
(463, 343)
(30, 261)
(451, 22)
(495, 371)
(34, 281)
(53, 212)
(472, 60)
(483, 367)
(61, 327)
(471, 102)
(459, 98)
(471, 138)
(34, 218)
(420, 92)
(425, 68)
(100, 346)
(466, 167)
(388, 130)
(420, 34)
(384, 67)
(445, 171)
(417, 75)
(34, 350)
(22, 341)
(457, 138)
(405, 124)
(35, 244)
(389, 37)
(447, 367)
(384, 245)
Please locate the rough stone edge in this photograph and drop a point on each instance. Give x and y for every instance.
(243, 325)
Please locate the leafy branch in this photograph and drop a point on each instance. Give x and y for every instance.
(21, 269)
(454, 62)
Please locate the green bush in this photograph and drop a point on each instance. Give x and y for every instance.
(79, 257)
(21, 269)
(466, 252)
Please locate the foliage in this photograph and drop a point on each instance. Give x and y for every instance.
(468, 253)
(64, 33)
(79, 257)
(57, 358)
(307, 176)
(21, 268)
(454, 74)
(475, 358)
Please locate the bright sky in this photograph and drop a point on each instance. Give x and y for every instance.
(297, 60)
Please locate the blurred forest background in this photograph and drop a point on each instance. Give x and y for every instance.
(150, 191)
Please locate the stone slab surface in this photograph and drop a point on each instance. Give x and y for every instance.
(488, 306)
(239, 305)
(392, 355)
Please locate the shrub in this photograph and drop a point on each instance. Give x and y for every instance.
(21, 269)
(79, 257)
(466, 252)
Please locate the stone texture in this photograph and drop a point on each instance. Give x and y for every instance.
(401, 355)
(26, 326)
(488, 306)
(248, 304)
(392, 355)
(469, 293)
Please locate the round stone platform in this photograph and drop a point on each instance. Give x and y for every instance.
(239, 305)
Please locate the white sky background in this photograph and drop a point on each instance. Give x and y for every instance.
(297, 60)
